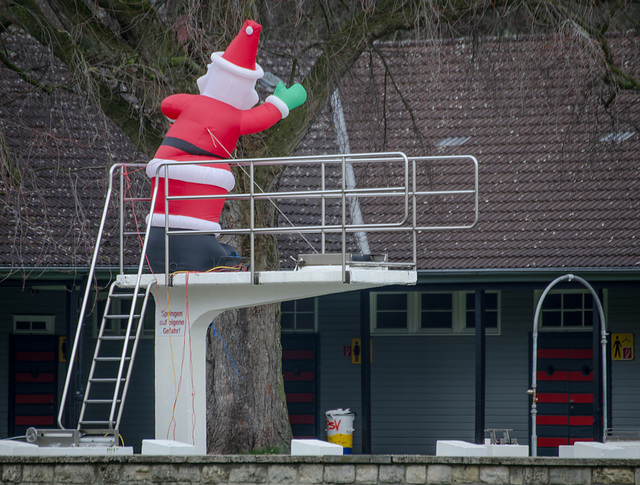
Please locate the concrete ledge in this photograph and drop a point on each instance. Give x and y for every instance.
(460, 448)
(19, 448)
(167, 447)
(591, 450)
(464, 448)
(314, 448)
(508, 450)
(86, 451)
(12, 448)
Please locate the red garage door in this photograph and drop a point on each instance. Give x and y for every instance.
(565, 390)
(299, 372)
(32, 382)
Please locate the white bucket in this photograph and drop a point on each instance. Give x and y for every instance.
(340, 428)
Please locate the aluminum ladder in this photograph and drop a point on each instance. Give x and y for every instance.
(114, 355)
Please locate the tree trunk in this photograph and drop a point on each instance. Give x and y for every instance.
(246, 409)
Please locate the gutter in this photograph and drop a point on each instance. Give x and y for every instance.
(526, 275)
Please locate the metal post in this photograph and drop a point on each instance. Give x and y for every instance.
(414, 203)
(323, 186)
(365, 370)
(252, 221)
(480, 324)
(166, 225)
(344, 222)
(121, 215)
(597, 378)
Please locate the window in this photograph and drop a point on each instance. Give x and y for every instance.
(299, 315)
(491, 313)
(444, 312)
(566, 309)
(392, 310)
(34, 324)
(436, 310)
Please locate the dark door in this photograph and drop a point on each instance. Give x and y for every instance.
(299, 372)
(565, 390)
(33, 376)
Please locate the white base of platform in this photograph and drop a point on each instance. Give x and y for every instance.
(19, 448)
(314, 448)
(591, 450)
(167, 447)
(464, 448)
(196, 299)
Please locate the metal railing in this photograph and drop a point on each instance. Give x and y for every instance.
(405, 191)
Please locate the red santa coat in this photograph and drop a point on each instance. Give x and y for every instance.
(204, 129)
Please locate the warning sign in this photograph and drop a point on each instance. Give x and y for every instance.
(171, 325)
(355, 351)
(622, 346)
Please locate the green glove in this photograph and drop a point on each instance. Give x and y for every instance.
(293, 96)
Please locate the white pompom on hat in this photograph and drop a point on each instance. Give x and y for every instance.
(240, 57)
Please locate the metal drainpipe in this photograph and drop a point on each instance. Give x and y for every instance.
(343, 144)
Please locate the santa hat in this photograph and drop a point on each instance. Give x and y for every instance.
(240, 56)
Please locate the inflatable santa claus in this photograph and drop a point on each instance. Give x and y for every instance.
(206, 127)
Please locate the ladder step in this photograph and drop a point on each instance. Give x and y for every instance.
(120, 317)
(110, 359)
(116, 337)
(94, 423)
(100, 401)
(107, 380)
(126, 295)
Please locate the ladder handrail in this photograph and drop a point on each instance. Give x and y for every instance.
(91, 275)
(132, 310)
(85, 299)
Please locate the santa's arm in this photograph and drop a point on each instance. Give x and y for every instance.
(173, 105)
(259, 118)
(276, 106)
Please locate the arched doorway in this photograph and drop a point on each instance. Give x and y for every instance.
(566, 357)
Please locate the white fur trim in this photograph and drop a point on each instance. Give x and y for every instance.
(196, 174)
(184, 222)
(217, 58)
(278, 103)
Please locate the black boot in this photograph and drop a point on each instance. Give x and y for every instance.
(200, 252)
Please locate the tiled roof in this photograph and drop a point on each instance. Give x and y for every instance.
(559, 172)
(62, 146)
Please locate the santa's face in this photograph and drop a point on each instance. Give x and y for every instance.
(231, 86)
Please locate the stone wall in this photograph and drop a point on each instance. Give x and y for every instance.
(335, 470)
